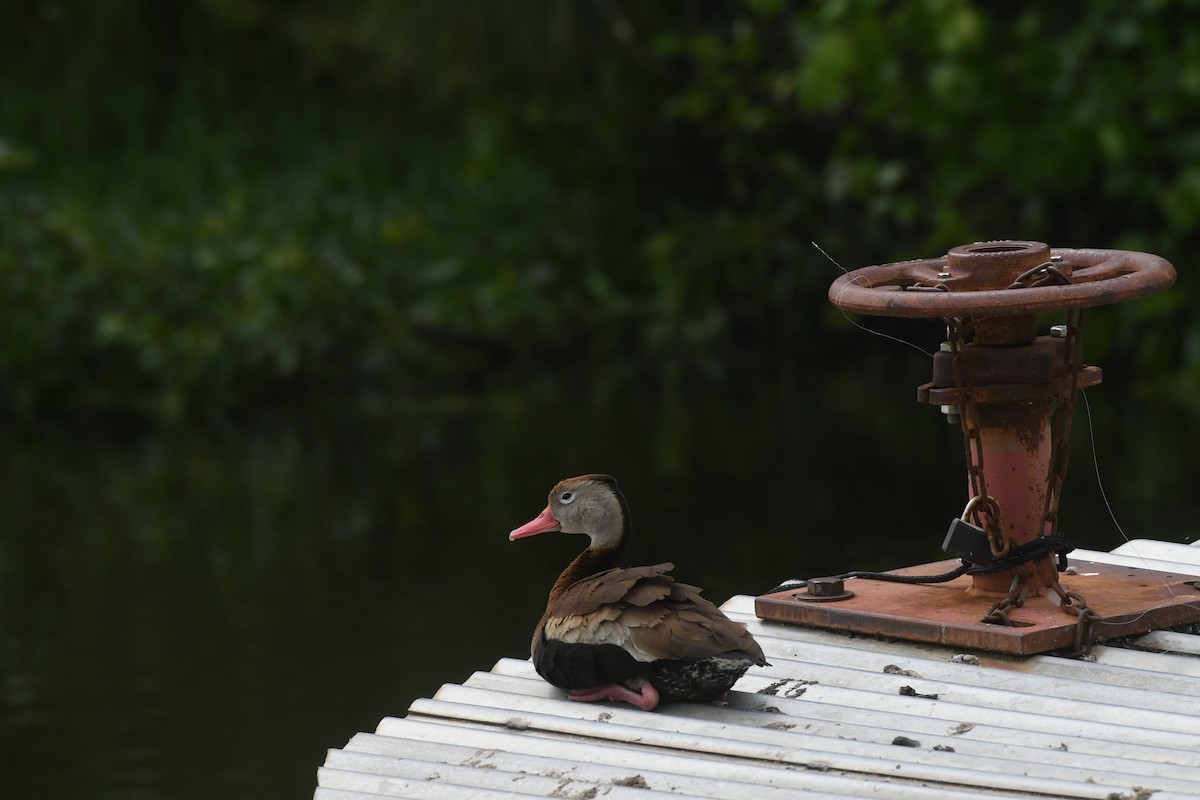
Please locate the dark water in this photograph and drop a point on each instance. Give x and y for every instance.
(202, 614)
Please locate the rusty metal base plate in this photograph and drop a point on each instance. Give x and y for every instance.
(1128, 601)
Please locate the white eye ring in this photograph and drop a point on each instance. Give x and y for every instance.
(566, 497)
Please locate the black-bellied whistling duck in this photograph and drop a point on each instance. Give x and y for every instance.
(628, 634)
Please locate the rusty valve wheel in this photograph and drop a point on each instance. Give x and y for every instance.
(1001, 278)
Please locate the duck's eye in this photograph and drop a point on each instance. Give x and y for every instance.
(566, 497)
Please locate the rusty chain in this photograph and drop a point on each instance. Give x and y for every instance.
(1074, 603)
(968, 416)
(1060, 453)
(1071, 602)
(1018, 592)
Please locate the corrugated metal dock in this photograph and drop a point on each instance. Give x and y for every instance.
(833, 716)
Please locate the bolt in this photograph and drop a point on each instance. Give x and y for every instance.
(826, 587)
(1056, 258)
(1058, 331)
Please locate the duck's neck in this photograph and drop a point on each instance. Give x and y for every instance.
(603, 552)
(588, 563)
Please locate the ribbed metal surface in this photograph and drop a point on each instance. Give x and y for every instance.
(833, 716)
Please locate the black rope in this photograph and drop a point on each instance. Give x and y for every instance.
(891, 577)
(1031, 550)
(1017, 555)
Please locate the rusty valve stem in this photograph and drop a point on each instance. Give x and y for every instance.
(1015, 377)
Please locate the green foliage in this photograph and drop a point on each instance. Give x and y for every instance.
(223, 205)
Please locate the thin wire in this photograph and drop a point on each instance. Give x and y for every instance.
(1104, 495)
(1087, 407)
(838, 304)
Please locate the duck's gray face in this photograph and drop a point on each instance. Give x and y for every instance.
(586, 505)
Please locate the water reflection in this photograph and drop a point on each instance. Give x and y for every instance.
(201, 615)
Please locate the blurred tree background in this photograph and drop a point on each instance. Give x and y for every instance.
(216, 207)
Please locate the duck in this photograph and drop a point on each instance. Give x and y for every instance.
(627, 634)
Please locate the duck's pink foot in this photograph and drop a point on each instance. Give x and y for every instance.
(646, 699)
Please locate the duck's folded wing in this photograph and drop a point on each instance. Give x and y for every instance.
(638, 586)
(647, 613)
(694, 629)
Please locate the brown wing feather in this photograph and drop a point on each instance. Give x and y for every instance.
(694, 629)
(648, 612)
(604, 588)
(643, 593)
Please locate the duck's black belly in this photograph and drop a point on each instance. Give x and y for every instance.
(585, 666)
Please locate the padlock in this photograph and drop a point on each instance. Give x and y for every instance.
(968, 542)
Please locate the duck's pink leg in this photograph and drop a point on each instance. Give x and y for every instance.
(646, 699)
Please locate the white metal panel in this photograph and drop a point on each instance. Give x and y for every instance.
(494, 745)
(919, 717)
(579, 762)
(779, 726)
(379, 786)
(1138, 661)
(367, 769)
(1130, 560)
(854, 666)
(1173, 552)
(822, 720)
(912, 763)
(861, 773)
(1168, 642)
(325, 793)
(846, 720)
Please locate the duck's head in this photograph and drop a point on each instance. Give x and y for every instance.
(589, 504)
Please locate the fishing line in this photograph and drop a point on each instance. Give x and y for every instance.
(838, 304)
(1087, 407)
